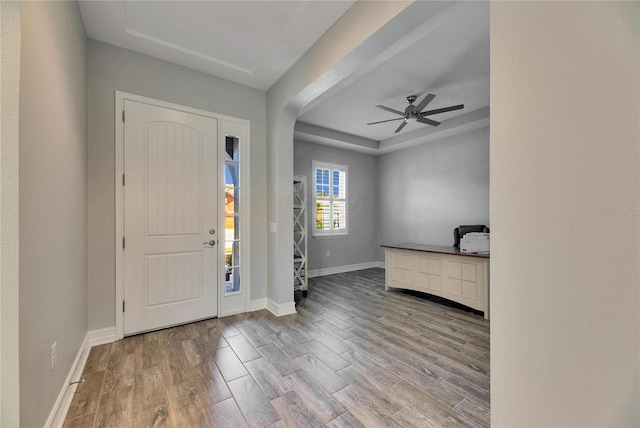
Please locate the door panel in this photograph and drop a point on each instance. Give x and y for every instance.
(172, 277)
(170, 208)
(173, 175)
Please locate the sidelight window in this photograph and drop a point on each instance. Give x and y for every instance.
(232, 235)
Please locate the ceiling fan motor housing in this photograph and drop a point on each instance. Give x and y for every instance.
(409, 112)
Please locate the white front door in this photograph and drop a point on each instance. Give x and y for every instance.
(170, 217)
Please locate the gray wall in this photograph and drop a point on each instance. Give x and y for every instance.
(360, 245)
(344, 48)
(112, 68)
(428, 190)
(53, 200)
(9, 214)
(565, 208)
(419, 194)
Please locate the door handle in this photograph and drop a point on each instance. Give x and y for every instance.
(211, 243)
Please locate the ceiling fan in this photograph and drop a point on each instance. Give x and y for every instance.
(415, 113)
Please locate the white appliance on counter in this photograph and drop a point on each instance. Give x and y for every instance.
(475, 242)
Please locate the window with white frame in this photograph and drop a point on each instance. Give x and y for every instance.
(330, 199)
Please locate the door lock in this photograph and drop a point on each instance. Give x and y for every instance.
(212, 231)
(211, 243)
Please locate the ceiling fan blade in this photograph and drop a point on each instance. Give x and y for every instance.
(402, 125)
(391, 110)
(388, 120)
(428, 121)
(426, 100)
(441, 110)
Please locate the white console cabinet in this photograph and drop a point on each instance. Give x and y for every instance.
(441, 271)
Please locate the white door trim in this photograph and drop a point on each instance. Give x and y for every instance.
(120, 98)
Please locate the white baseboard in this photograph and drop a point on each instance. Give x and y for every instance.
(346, 268)
(61, 406)
(232, 312)
(102, 336)
(258, 304)
(281, 309)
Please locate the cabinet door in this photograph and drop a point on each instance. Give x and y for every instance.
(402, 270)
(428, 274)
(462, 281)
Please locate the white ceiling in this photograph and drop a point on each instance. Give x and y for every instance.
(255, 42)
(248, 42)
(450, 60)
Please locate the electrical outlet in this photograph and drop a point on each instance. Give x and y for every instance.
(328, 253)
(54, 354)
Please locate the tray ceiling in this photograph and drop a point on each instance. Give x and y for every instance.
(450, 58)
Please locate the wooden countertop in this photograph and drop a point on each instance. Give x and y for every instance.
(434, 249)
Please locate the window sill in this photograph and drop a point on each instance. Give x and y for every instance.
(333, 235)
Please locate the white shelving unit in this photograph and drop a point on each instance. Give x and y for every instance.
(300, 281)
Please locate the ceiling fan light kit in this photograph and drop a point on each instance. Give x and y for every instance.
(416, 113)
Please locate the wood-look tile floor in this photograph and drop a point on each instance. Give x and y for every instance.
(354, 355)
